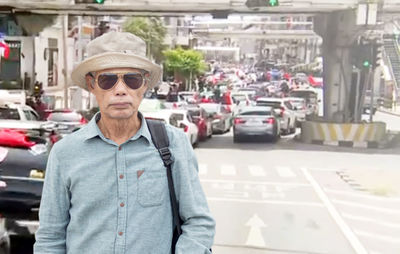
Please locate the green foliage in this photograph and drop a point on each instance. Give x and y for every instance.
(184, 61)
(152, 31)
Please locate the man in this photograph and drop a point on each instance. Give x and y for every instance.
(106, 189)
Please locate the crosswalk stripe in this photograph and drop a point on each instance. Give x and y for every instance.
(376, 237)
(256, 170)
(285, 172)
(376, 221)
(203, 169)
(228, 170)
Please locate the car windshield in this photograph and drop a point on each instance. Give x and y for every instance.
(8, 113)
(256, 113)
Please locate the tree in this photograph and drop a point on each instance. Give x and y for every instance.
(184, 62)
(152, 31)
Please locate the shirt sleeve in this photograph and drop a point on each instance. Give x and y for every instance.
(54, 210)
(198, 227)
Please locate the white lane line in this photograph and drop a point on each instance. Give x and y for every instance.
(358, 195)
(285, 172)
(371, 220)
(236, 194)
(228, 170)
(203, 169)
(367, 207)
(272, 202)
(254, 182)
(256, 170)
(380, 237)
(348, 233)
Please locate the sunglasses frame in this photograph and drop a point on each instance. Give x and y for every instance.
(120, 76)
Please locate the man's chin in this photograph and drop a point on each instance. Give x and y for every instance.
(120, 115)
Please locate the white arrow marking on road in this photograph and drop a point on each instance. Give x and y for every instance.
(285, 172)
(228, 170)
(203, 169)
(256, 170)
(255, 237)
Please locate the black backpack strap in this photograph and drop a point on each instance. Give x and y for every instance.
(161, 142)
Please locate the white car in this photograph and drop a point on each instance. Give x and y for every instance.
(299, 108)
(18, 112)
(179, 118)
(284, 109)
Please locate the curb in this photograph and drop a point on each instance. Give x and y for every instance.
(349, 144)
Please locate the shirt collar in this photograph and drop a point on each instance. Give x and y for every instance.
(93, 129)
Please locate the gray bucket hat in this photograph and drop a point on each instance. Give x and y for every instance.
(116, 50)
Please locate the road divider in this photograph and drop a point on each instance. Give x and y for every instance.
(364, 135)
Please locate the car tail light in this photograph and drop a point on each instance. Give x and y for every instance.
(184, 127)
(269, 121)
(14, 138)
(239, 121)
(282, 111)
(217, 116)
(49, 116)
(83, 121)
(175, 105)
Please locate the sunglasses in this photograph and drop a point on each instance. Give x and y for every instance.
(133, 80)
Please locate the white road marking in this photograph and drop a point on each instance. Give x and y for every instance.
(254, 182)
(285, 172)
(255, 237)
(380, 237)
(223, 186)
(367, 207)
(236, 194)
(256, 170)
(348, 233)
(272, 202)
(203, 169)
(228, 170)
(279, 195)
(372, 220)
(358, 195)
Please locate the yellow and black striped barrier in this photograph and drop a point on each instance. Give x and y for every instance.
(347, 134)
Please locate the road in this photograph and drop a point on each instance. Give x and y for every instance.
(291, 197)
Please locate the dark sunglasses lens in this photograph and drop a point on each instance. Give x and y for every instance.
(133, 80)
(107, 80)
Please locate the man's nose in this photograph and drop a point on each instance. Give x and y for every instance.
(120, 88)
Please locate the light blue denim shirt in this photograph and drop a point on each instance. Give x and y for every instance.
(96, 200)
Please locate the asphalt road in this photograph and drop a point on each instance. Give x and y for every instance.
(293, 198)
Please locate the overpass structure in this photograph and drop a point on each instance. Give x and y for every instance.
(334, 20)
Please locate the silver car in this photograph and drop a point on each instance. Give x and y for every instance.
(256, 121)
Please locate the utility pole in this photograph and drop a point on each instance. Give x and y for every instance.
(65, 55)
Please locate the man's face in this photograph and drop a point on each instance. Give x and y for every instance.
(119, 102)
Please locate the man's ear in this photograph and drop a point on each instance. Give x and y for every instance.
(89, 82)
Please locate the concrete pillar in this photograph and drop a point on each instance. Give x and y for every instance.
(339, 31)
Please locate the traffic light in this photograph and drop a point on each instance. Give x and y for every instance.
(262, 3)
(377, 53)
(89, 1)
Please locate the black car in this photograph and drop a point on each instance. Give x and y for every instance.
(23, 162)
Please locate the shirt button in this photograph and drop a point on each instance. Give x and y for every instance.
(122, 204)
(120, 233)
(120, 148)
(121, 176)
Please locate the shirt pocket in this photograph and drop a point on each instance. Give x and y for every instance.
(151, 188)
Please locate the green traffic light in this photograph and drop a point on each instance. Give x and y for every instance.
(366, 63)
(273, 2)
(99, 1)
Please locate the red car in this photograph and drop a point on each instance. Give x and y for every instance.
(203, 122)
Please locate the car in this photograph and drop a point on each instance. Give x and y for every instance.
(190, 97)
(253, 92)
(299, 109)
(23, 159)
(284, 109)
(203, 122)
(241, 100)
(256, 122)
(179, 118)
(151, 105)
(67, 120)
(222, 119)
(311, 98)
(12, 111)
(177, 102)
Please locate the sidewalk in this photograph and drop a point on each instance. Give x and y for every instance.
(390, 111)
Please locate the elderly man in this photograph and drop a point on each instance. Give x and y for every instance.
(106, 187)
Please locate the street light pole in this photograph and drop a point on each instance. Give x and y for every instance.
(65, 55)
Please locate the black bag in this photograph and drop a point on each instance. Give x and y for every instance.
(161, 142)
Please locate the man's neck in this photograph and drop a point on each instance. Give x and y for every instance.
(119, 130)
